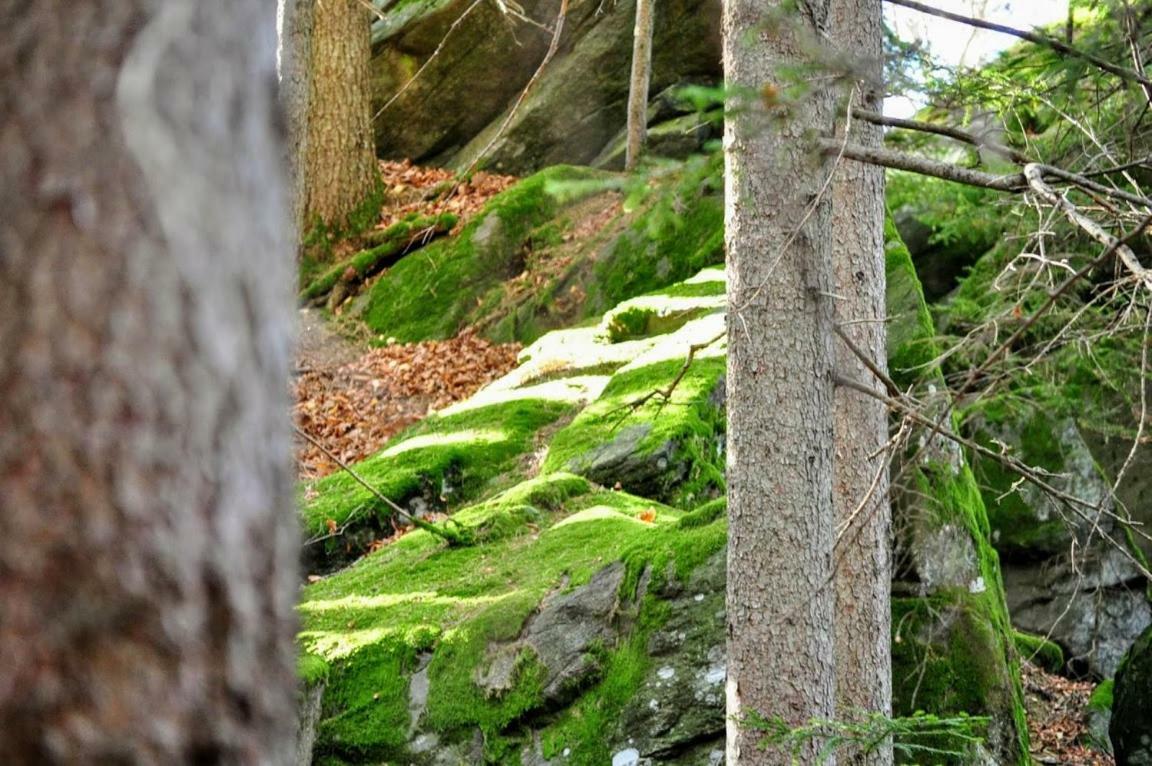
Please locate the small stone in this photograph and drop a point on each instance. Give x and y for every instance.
(629, 757)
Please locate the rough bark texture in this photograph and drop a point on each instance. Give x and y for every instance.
(294, 21)
(339, 164)
(863, 510)
(781, 525)
(638, 84)
(147, 568)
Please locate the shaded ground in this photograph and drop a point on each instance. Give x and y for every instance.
(353, 399)
(1056, 719)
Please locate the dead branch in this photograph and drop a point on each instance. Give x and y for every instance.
(1035, 175)
(1032, 37)
(450, 537)
(1079, 506)
(940, 130)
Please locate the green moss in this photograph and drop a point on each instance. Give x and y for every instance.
(690, 422)
(1101, 699)
(656, 314)
(938, 663)
(311, 669)
(445, 459)
(372, 620)
(321, 236)
(430, 295)
(581, 727)
(1039, 651)
(705, 514)
(365, 711)
(975, 637)
(911, 343)
(392, 241)
(679, 234)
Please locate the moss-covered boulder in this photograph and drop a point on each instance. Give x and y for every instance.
(1131, 725)
(953, 647)
(454, 109)
(556, 249)
(586, 623)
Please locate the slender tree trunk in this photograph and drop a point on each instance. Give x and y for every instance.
(781, 525)
(638, 85)
(147, 567)
(863, 511)
(339, 156)
(294, 19)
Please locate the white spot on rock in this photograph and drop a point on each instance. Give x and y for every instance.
(977, 586)
(629, 757)
(665, 673)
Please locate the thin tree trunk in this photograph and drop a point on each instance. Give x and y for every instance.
(339, 165)
(147, 567)
(638, 85)
(863, 511)
(294, 18)
(781, 524)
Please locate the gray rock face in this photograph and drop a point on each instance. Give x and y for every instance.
(455, 108)
(1131, 726)
(309, 717)
(561, 636)
(1094, 614)
(1093, 607)
(650, 474)
(677, 717)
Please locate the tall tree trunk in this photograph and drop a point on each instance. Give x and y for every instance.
(863, 511)
(339, 165)
(780, 360)
(294, 22)
(147, 567)
(638, 85)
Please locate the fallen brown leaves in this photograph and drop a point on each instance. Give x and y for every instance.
(1056, 724)
(430, 191)
(355, 408)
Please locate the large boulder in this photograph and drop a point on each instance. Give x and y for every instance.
(1131, 726)
(586, 623)
(455, 108)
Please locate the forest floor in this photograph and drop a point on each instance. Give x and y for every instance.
(353, 399)
(1056, 719)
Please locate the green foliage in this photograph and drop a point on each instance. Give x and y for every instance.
(913, 738)
(1039, 651)
(393, 242)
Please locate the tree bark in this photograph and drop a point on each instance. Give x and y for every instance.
(147, 568)
(339, 157)
(638, 85)
(781, 525)
(294, 20)
(864, 516)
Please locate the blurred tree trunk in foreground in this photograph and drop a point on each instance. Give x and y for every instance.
(147, 567)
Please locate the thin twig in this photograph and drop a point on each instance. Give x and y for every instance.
(940, 130)
(452, 538)
(1032, 37)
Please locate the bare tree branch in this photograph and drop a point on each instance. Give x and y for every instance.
(1034, 173)
(940, 130)
(1032, 37)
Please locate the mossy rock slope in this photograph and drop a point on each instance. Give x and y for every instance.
(587, 622)
(556, 249)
